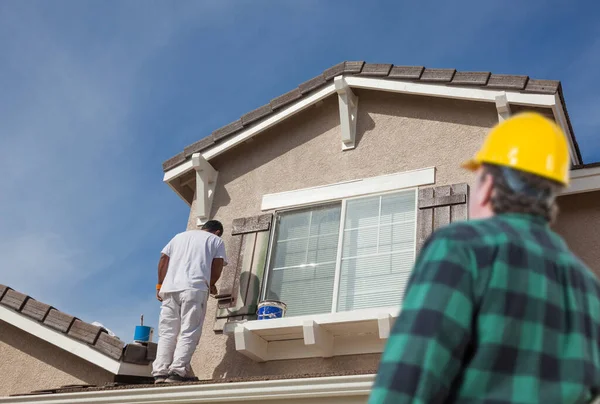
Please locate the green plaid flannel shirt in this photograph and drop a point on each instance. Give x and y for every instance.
(496, 311)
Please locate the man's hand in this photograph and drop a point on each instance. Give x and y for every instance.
(158, 296)
(213, 290)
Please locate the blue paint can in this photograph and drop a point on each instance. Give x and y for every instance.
(143, 333)
(271, 309)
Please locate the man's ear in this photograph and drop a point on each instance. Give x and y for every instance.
(487, 189)
(218, 233)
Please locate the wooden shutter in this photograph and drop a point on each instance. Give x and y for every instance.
(439, 206)
(239, 287)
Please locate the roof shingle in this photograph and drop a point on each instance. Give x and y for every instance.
(199, 145)
(36, 310)
(59, 321)
(406, 72)
(471, 78)
(286, 98)
(255, 115)
(507, 82)
(312, 84)
(227, 129)
(542, 86)
(376, 69)
(438, 75)
(14, 299)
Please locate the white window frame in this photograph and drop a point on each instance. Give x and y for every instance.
(342, 193)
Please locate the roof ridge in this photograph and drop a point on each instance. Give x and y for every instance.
(378, 70)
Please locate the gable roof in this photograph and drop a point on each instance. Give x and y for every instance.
(420, 74)
(83, 339)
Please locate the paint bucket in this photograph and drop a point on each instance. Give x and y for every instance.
(271, 309)
(143, 333)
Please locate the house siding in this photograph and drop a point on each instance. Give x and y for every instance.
(395, 133)
(28, 363)
(579, 223)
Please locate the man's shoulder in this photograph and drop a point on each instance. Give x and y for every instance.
(205, 237)
(464, 231)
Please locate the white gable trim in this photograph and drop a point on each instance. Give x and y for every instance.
(584, 180)
(271, 121)
(71, 345)
(444, 91)
(349, 189)
(404, 87)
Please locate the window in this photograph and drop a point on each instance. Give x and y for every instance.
(349, 255)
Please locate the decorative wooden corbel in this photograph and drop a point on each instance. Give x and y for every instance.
(206, 180)
(502, 107)
(348, 103)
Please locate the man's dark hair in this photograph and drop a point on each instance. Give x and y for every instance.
(517, 191)
(212, 226)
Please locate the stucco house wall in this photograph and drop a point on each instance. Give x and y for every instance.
(579, 223)
(395, 133)
(28, 363)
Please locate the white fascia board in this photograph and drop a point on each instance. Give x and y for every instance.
(269, 122)
(583, 180)
(560, 117)
(244, 135)
(309, 390)
(461, 93)
(178, 171)
(60, 340)
(349, 189)
(175, 173)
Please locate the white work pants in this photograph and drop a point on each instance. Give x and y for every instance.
(179, 329)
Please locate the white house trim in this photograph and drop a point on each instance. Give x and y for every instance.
(348, 104)
(71, 345)
(349, 189)
(269, 122)
(559, 115)
(346, 83)
(206, 180)
(322, 335)
(171, 176)
(350, 389)
(455, 92)
(503, 107)
(584, 180)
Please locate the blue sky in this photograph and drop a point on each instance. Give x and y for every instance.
(96, 94)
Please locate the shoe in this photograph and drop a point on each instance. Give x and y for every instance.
(175, 378)
(159, 379)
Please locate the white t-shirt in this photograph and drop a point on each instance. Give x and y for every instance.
(190, 259)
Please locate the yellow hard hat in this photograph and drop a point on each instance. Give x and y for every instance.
(528, 142)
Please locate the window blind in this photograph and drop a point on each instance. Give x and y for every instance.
(377, 251)
(304, 260)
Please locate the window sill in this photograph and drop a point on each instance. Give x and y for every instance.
(316, 336)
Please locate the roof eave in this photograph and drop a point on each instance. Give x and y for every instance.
(530, 98)
(65, 342)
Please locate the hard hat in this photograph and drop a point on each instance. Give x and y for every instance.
(528, 142)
